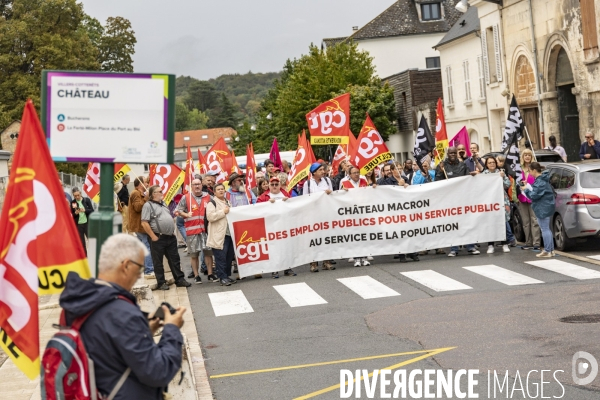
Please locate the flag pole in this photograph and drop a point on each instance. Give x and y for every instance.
(138, 178)
(529, 140)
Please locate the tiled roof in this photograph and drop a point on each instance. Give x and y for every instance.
(402, 18)
(469, 23)
(202, 137)
(328, 42)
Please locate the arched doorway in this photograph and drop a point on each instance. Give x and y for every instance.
(525, 93)
(567, 106)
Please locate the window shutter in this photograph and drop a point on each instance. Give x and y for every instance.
(484, 55)
(497, 53)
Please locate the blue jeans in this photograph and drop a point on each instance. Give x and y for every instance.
(469, 247)
(544, 224)
(510, 237)
(181, 228)
(148, 266)
(224, 258)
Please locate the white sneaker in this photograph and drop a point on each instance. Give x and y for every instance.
(365, 263)
(351, 260)
(505, 248)
(369, 258)
(357, 263)
(490, 249)
(150, 276)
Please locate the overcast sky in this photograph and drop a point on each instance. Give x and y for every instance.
(207, 38)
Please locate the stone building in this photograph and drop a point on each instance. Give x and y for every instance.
(8, 139)
(548, 57)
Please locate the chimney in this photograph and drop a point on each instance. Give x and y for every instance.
(354, 28)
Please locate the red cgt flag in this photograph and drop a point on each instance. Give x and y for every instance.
(329, 123)
(339, 156)
(218, 159)
(39, 244)
(169, 177)
(370, 150)
(91, 186)
(202, 166)
(189, 171)
(307, 146)
(301, 164)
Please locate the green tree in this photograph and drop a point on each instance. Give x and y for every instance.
(317, 77)
(224, 114)
(197, 120)
(201, 95)
(187, 120)
(117, 45)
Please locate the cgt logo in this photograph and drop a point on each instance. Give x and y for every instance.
(250, 241)
(332, 115)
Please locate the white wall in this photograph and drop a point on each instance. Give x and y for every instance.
(463, 112)
(396, 54)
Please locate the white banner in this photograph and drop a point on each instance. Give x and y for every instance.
(271, 237)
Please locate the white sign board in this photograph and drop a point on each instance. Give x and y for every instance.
(107, 117)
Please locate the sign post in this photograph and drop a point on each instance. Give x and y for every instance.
(108, 118)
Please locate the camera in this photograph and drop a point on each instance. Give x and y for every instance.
(161, 314)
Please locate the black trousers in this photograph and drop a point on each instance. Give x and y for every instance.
(166, 246)
(224, 258)
(83, 233)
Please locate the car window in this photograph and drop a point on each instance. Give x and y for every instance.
(567, 179)
(590, 179)
(548, 158)
(555, 177)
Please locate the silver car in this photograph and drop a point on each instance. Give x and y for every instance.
(577, 213)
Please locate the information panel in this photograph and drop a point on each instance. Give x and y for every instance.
(108, 117)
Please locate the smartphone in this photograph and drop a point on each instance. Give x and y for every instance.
(160, 312)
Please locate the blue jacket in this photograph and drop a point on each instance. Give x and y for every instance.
(584, 147)
(117, 336)
(542, 196)
(419, 179)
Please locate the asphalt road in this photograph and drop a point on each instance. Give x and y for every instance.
(491, 326)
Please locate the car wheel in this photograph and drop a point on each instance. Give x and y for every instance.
(561, 240)
(517, 226)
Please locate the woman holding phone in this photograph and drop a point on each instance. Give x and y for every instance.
(542, 202)
(81, 208)
(530, 222)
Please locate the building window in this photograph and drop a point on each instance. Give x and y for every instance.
(227, 139)
(449, 86)
(492, 60)
(204, 136)
(481, 77)
(432, 62)
(431, 12)
(589, 29)
(467, 80)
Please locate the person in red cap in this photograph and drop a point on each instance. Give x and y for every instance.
(274, 194)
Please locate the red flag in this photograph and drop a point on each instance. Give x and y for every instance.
(234, 165)
(202, 167)
(39, 244)
(218, 159)
(371, 149)
(301, 164)
(91, 186)
(441, 136)
(274, 155)
(329, 123)
(189, 171)
(308, 147)
(250, 167)
(169, 177)
(338, 157)
(351, 146)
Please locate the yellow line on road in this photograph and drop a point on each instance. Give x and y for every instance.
(576, 257)
(260, 371)
(395, 366)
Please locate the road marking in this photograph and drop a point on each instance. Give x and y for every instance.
(260, 371)
(594, 257)
(435, 280)
(367, 287)
(391, 367)
(299, 294)
(502, 275)
(229, 303)
(565, 268)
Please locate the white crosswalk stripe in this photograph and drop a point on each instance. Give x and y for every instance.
(299, 295)
(502, 275)
(594, 257)
(367, 287)
(230, 303)
(565, 268)
(435, 280)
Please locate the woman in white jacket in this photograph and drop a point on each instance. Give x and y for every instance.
(219, 237)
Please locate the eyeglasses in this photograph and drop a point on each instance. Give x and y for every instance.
(141, 266)
(588, 137)
(274, 184)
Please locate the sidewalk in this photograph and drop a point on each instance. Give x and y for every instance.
(16, 386)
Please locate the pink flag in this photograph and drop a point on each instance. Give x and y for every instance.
(462, 137)
(274, 155)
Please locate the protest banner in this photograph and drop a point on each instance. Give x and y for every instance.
(329, 123)
(367, 221)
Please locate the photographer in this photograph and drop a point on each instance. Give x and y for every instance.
(474, 163)
(118, 336)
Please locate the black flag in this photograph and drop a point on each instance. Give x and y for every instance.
(513, 132)
(424, 144)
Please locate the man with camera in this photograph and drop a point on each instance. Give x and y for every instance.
(474, 163)
(118, 337)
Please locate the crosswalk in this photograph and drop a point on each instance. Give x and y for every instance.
(302, 295)
(595, 257)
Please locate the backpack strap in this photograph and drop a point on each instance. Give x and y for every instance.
(119, 384)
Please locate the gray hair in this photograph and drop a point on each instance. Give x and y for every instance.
(501, 157)
(282, 178)
(118, 248)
